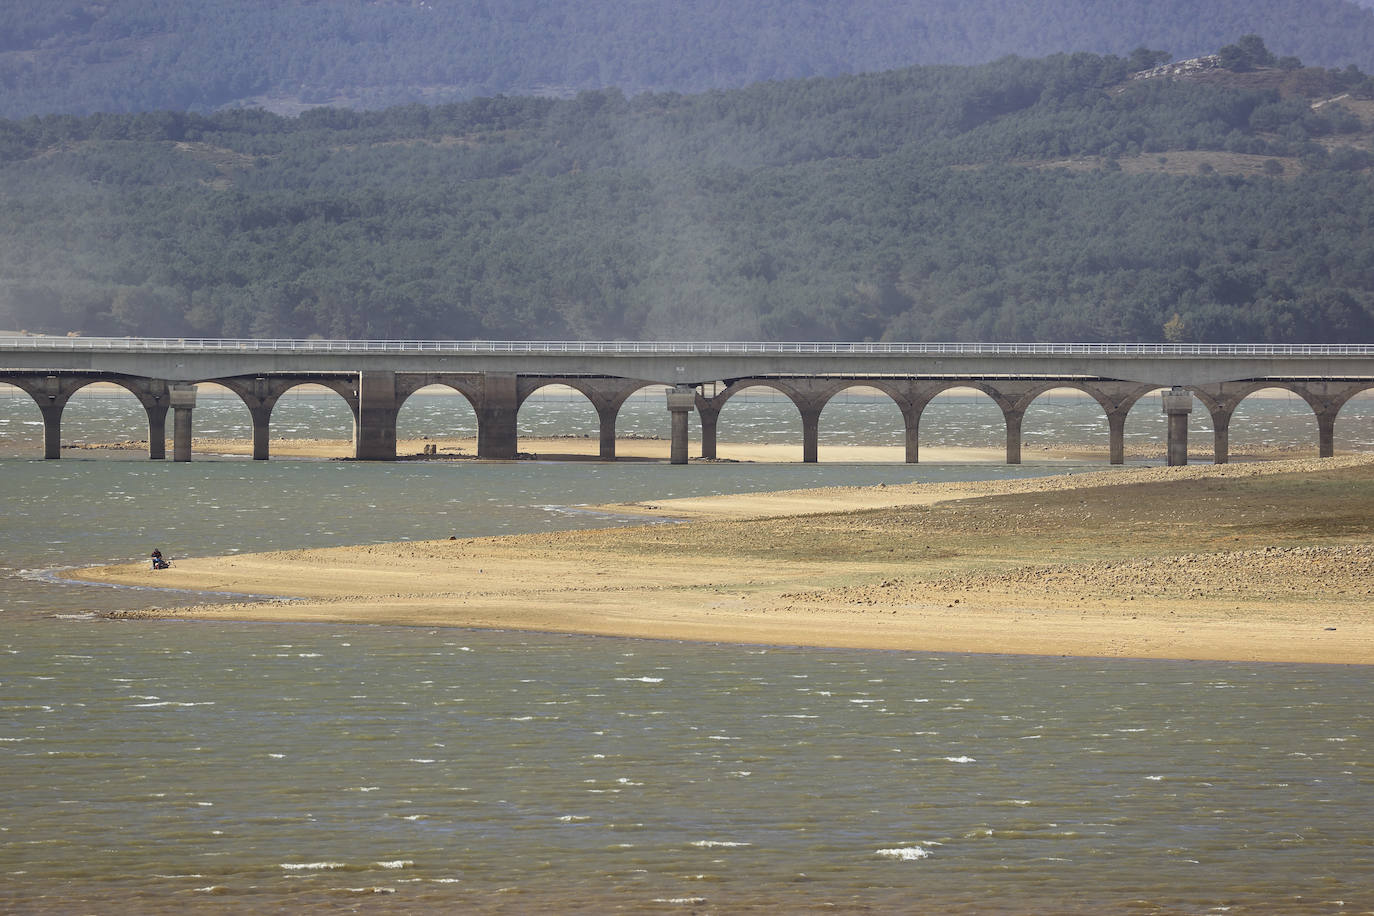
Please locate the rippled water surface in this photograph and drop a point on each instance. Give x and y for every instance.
(309, 766)
(156, 767)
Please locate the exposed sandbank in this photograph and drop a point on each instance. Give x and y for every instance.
(1256, 562)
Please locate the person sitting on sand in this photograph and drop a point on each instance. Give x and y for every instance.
(158, 561)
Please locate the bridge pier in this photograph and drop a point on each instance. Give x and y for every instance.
(1326, 434)
(708, 411)
(1177, 404)
(605, 419)
(1014, 418)
(374, 436)
(157, 423)
(262, 432)
(52, 397)
(681, 400)
(52, 429)
(811, 435)
(496, 416)
(911, 398)
(1221, 436)
(183, 401)
(911, 435)
(1116, 436)
(1116, 400)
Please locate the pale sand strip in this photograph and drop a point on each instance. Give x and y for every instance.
(587, 448)
(745, 573)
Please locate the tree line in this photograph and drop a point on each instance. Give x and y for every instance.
(1018, 200)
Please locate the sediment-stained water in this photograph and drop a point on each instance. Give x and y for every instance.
(159, 766)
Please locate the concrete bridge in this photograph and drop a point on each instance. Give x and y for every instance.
(376, 377)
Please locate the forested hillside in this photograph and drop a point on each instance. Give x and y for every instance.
(83, 56)
(1051, 199)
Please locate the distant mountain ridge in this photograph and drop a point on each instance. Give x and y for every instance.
(80, 56)
(1050, 199)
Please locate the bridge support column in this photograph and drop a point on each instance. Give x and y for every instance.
(911, 422)
(374, 437)
(811, 434)
(911, 399)
(500, 403)
(262, 431)
(681, 400)
(155, 396)
(1014, 418)
(157, 431)
(606, 416)
(709, 414)
(52, 429)
(1177, 404)
(1221, 436)
(1326, 433)
(1326, 399)
(1116, 436)
(183, 401)
(52, 400)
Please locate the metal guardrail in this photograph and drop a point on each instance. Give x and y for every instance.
(685, 348)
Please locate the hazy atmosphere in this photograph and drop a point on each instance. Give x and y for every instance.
(687, 456)
(875, 171)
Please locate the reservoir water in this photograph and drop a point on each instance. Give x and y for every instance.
(157, 767)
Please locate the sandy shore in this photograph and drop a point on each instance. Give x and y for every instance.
(1258, 562)
(586, 448)
(570, 448)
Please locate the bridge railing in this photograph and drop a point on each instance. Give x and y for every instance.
(665, 348)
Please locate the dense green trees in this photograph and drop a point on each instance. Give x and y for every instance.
(1020, 200)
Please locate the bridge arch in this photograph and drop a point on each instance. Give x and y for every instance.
(260, 394)
(53, 392)
(1115, 398)
(1325, 397)
(1061, 399)
(606, 395)
(19, 436)
(809, 396)
(872, 414)
(437, 394)
(913, 396)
